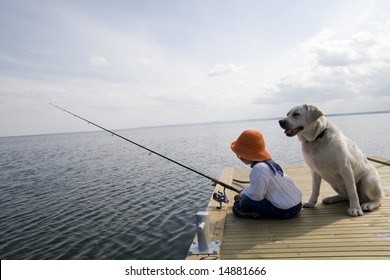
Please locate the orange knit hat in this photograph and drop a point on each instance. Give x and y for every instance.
(250, 145)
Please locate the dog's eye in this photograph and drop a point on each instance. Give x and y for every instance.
(296, 114)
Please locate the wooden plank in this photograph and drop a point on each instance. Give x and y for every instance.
(323, 232)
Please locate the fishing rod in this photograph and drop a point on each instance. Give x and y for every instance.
(379, 161)
(153, 152)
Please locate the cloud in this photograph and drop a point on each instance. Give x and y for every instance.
(224, 69)
(361, 48)
(99, 61)
(348, 68)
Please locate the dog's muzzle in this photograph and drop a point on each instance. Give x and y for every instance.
(288, 131)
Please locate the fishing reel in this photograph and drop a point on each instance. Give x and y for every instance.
(220, 197)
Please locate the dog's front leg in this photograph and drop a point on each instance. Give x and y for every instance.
(349, 181)
(315, 190)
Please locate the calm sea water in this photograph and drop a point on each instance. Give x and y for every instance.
(95, 196)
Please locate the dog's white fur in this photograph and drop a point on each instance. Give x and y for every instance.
(336, 159)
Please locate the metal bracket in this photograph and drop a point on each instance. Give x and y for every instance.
(215, 247)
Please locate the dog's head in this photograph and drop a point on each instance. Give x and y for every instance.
(299, 118)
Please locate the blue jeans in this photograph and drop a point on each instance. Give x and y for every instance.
(248, 208)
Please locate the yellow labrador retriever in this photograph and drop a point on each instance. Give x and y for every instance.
(336, 159)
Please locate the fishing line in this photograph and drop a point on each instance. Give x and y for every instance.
(150, 150)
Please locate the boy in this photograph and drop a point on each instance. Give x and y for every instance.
(271, 194)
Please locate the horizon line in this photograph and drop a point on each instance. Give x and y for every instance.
(202, 123)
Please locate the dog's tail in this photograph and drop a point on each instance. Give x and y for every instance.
(386, 191)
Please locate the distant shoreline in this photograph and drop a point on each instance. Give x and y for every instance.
(204, 123)
(327, 115)
(359, 113)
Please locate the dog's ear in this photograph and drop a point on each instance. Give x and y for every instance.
(313, 113)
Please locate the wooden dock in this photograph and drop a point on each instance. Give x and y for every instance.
(324, 232)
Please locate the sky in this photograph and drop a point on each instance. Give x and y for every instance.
(125, 64)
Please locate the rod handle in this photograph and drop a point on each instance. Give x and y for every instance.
(226, 185)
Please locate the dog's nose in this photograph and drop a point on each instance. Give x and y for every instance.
(282, 123)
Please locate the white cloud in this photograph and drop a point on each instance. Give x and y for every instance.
(99, 61)
(346, 69)
(223, 69)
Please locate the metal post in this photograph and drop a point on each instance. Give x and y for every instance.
(204, 245)
(203, 231)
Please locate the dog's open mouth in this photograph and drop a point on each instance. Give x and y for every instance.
(293, 132)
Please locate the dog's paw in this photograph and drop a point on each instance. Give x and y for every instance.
(367, 207)
(371, 205)
(308, 204)
(355, 212)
